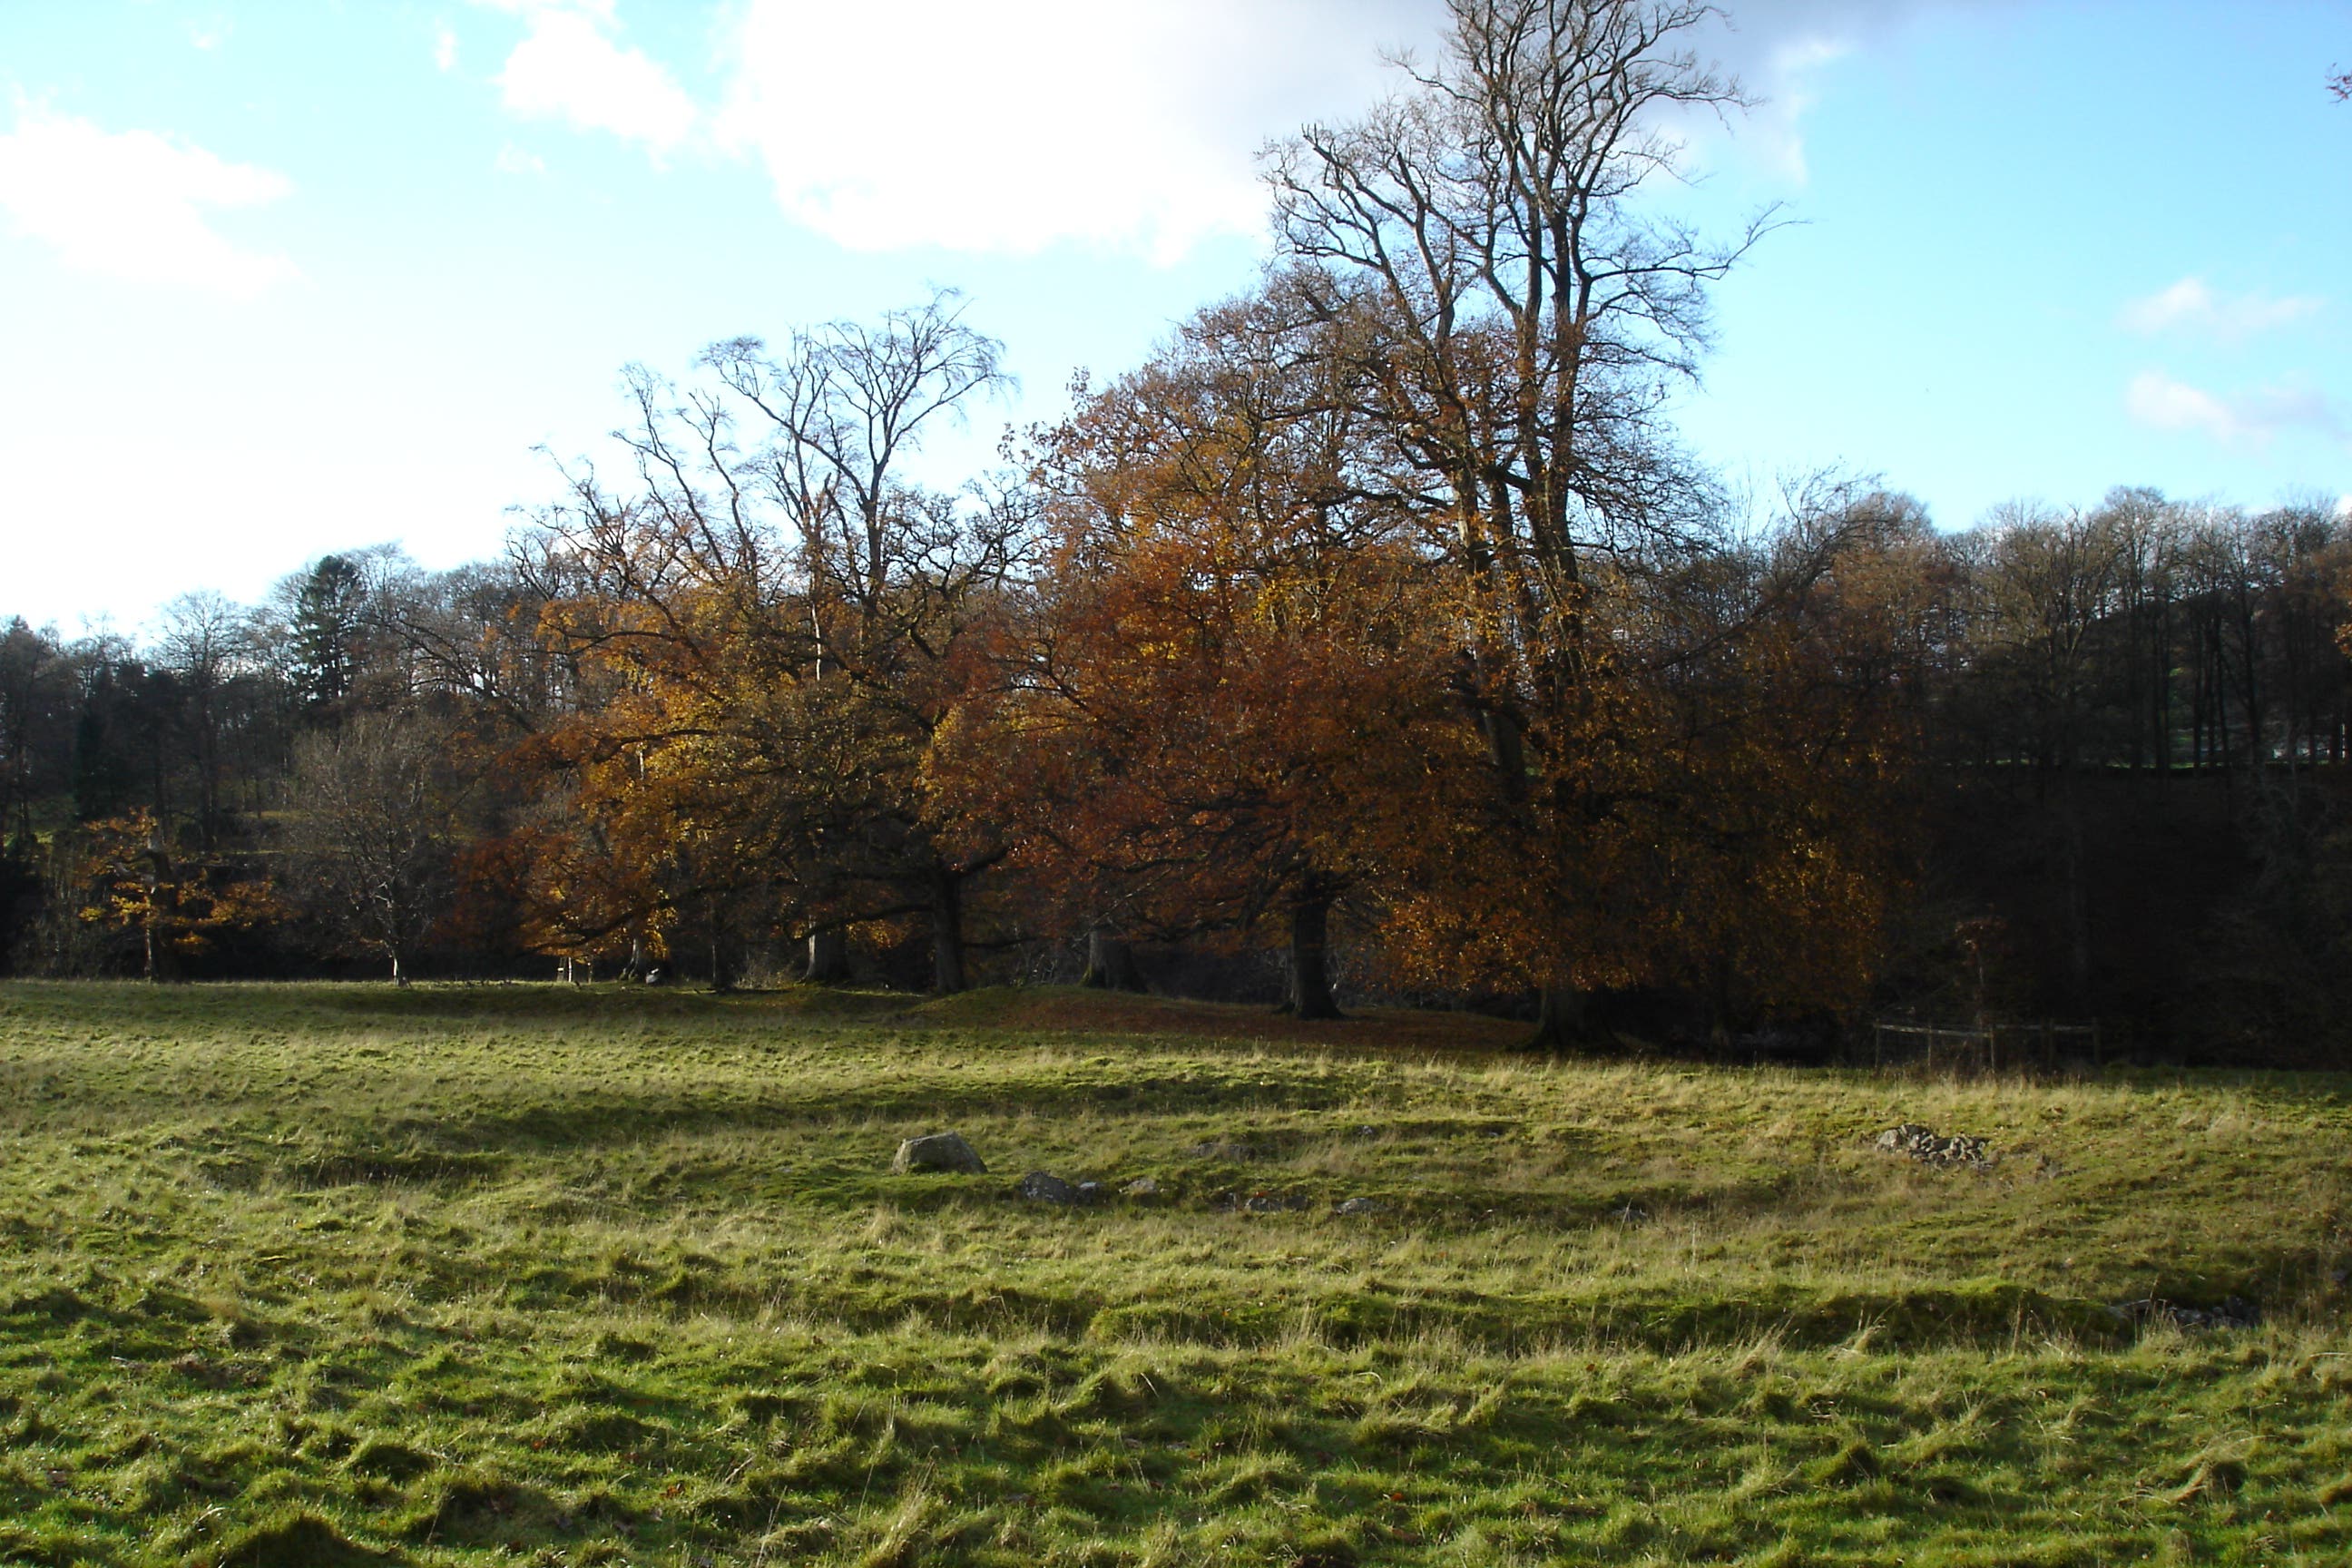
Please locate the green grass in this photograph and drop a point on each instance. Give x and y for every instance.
(318, 1275)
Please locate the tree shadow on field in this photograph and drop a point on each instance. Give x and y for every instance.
(925, 1106)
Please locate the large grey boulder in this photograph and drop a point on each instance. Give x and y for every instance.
(937, 1152)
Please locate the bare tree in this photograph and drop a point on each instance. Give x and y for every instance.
(370, 843)
(1521, 322)
(202, 636)
(791, 605)
(845, 405)
(887, 573)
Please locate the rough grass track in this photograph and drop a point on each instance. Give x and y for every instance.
(315, 1274)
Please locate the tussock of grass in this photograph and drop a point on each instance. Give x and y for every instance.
(558, 1276)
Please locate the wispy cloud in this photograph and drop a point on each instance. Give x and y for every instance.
(1793, 92)
(571, 66)
(1783, 75)
(2253, 419)
(133, 204)
(513, 160)
(1780, 51)
(445, 48)
(2191, 305)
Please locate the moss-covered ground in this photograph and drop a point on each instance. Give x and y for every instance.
(311, 1275)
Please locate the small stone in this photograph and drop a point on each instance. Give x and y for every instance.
(1357, 1206)
(937, 1152)
(1090, 1192)
(1141, 1188)
(1045, 1187)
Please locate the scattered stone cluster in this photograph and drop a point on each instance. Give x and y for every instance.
(1257, 1202)
(1921, 1144)
(2234, 1312)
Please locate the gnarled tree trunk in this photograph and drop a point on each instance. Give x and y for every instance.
(828, 957)
(947, 930)
(1110, 963)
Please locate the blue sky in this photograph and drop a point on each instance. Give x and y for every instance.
(278, 279)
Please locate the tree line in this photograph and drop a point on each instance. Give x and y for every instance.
(1377, 622)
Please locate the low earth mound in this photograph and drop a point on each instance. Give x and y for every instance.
(579, 1275)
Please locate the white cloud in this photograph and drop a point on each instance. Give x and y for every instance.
(2250, 419)
(1013, 126)
(2344, 507)
(132, 203)
(445, 48)
(2191, 305)
(513, 160)
(569, 66)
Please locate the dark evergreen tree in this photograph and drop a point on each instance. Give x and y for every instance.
(326, 626)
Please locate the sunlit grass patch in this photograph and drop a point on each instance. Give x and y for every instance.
(573, 1275)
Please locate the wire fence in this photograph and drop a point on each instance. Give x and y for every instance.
(1986, 1047)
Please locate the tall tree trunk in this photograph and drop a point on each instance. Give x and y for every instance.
(2078, 905)
(1507, 745)
(947, 930)
(722, 978)
(828, 957)
(1311, 977)
(1110, 963)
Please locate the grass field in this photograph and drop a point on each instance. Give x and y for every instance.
(339, 1275)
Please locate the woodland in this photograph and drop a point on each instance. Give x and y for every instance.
(1374, 641)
